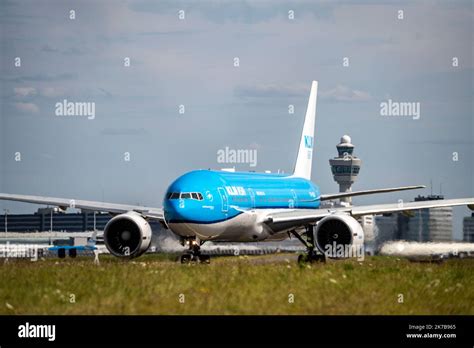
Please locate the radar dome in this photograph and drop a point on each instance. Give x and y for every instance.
(345, 139)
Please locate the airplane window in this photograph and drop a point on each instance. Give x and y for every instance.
(185, 195)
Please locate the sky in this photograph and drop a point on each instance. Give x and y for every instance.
(182, 98)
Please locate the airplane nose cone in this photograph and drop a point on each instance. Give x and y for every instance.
(174, 210)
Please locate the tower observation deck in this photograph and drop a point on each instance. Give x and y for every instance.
(345, 167)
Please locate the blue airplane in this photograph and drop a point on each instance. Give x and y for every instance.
(207, 205)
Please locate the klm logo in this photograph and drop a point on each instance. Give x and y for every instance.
(308, 141)
(235, 190)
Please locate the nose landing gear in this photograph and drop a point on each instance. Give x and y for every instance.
(193, 254)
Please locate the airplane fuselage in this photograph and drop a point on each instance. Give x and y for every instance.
(225, 206)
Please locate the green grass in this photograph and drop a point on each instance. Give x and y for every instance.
(236, 285)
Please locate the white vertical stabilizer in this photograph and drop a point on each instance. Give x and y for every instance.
(305, 152)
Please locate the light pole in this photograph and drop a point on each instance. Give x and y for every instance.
(51, 219)
(420, 226)
(6, 220)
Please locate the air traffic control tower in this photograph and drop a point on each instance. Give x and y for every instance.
(345, 167)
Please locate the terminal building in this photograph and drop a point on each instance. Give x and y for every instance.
(424, 225)
(468, 228)
(50, 219)
(427, 225)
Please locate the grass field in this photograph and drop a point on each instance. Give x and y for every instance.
(236, 285)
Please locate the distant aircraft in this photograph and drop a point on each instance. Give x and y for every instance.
(73, 249)
(208, 205)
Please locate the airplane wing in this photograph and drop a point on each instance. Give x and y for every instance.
(64, 203)
(396, 207)
(279, 221)
(367, 192)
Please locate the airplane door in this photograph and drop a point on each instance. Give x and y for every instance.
(225, 202)
(252, 198)
(294, 200)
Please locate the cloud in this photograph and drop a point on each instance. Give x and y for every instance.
(24, 91)
(27, 107)
(124, 131)
(345, 94)
(72, 51)
(255, 145)
(235, 11)
(51, 92)
(68, 51)
(167, 32)
(48, 48)
(271, 91)
(41, 77)
(339, 93)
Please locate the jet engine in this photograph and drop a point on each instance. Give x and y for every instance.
(127, 235)
(339, 236)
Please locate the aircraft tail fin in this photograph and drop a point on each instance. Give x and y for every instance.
(305, 152)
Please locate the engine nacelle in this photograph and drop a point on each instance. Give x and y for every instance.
(339, 236)
(127, 235)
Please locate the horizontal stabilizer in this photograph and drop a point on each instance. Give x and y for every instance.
(367, 192)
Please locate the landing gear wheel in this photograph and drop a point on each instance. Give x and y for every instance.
(302, 259)
(311, 258)
(194, 253)
(307, 239)
(186, 258)
(205, 259)
(318, 258)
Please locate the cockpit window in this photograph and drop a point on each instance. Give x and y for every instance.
(185, 195)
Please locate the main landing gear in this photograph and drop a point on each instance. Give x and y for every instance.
(193, 254)
(312, 254)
